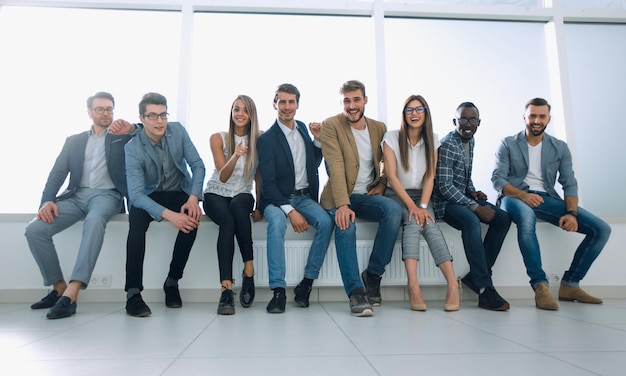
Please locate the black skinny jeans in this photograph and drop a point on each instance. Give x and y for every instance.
(232, 214)
(139, 221)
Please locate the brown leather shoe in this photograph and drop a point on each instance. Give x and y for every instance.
(570, 294)
(543, 298)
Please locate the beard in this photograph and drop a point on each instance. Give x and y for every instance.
(360, 116)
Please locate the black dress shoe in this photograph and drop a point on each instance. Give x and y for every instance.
(227, 303)
(278, 302)
(47, 301)
(467, 281)
(303, 292)
(136, 307)
(63, 308)
(246, 296)
(172, 296)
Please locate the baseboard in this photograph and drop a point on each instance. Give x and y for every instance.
(322, 294)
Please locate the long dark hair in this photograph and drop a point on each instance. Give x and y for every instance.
(427, 136)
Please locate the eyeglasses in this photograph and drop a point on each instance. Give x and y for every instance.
(101, 110)
(472, 121)
(154, 116)
(419, 110)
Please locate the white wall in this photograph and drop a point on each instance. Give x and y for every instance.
(21, 281)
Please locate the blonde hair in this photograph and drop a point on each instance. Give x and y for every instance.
(253, 134)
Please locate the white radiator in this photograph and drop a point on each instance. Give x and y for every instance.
(296, 252)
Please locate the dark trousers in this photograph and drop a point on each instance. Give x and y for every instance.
(232, 214)
(139, 221)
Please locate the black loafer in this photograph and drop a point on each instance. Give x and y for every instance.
(63, 308)
(47, 301)
(246, 296)
(136, 307)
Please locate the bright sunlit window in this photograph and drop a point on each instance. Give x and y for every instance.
(52, 60)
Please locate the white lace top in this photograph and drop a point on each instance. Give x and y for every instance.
(236, 184)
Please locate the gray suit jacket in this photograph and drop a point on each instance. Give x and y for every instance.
(143, 168)
(71, 160)
(512, 165)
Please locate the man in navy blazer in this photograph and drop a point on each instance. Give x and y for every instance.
(160, 187)
(526, 171)
(94, 160)
(288, 163)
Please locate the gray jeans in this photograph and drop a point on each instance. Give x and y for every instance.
(411, 231)
(95, 207)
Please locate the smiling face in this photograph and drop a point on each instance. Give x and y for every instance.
(240, 116)
(414, 119)
(536, 119)
(286, 105)
(354, 105)
(467, 116)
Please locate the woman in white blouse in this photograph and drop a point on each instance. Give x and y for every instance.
(228, 199)
(410, 157)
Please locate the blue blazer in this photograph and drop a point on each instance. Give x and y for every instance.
(72, 158)
(512, 165)
(278, 176)
(143, 168)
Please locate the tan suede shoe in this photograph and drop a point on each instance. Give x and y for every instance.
(543, 298)
(569, 294)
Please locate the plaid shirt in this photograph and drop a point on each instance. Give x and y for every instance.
(453, 177)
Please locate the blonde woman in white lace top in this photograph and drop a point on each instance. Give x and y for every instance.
(228, 199)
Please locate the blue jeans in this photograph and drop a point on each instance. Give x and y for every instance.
(481, 253)
(316, 217)
(373, 208)
(551, 210)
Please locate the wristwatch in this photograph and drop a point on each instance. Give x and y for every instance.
(424, 206)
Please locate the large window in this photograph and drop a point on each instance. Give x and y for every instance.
(449, 62)
(597, 77)
(52, 60)
(252, 54)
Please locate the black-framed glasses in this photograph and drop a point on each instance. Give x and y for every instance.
(101, 110)
(154, 116)
(472, 121)
(419, 110)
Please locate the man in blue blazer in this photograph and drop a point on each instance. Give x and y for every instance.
(288, 163)
(94, 160)
(525, 175)
(160, 187)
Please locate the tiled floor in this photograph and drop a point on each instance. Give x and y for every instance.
(321, 340)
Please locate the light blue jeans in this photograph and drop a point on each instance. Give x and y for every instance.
(373, 208)
(551, 210)
(96, 207)
(277, 220)
(411, 231)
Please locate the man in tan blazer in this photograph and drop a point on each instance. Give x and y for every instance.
(351, 149)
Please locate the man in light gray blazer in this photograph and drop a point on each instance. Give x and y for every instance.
(526, 171)
(160, 187)
(94, 161)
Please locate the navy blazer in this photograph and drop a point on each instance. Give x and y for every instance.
(71, 160)
(278, 178)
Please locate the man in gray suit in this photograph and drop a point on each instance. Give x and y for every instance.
(160, 187)
(525, 175)
(94, 160)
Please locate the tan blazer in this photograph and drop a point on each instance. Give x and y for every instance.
(342, 159)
